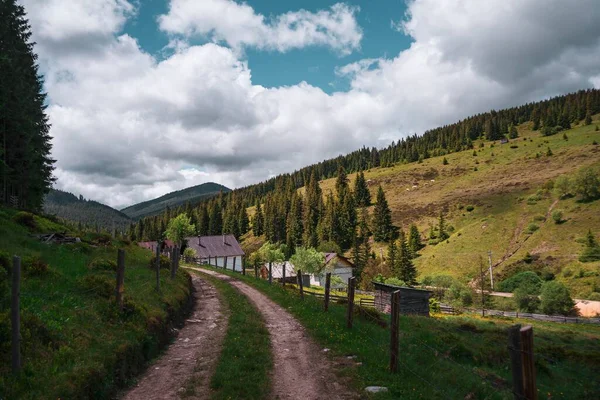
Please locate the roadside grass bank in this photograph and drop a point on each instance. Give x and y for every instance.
(446, 356)
(75, 343)
(246, 361)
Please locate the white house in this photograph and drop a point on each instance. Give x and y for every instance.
(338, 266)
(221, 251)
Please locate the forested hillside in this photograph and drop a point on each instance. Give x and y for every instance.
(175, 199)
(86, 213)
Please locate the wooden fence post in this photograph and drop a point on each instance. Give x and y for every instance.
(158, 267)
(283, 273)
(270, 272)
(234, 259)
(394, 331)
(256, 271)
(243, 266)
(225, 263)
(120, 277)
(350, 314)
(174, 255)
(300, 284)
(516, 361)
(15, 315)
(327, 289)
(529, 384)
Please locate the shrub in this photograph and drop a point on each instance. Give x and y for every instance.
(189, 253)
(101, 285)
(165, 263)
(434, 305)
(567, 272)
(539, 218)
(445, 161)
(525, 301)
(528, 258)
(587, 184)
(563, 187)
(34, 266)
(590, 254)
(527, 279)
(103, 265)
(459, 295)
(556, 299)
(595, 296)
(514, 146)
(532, 228)
(394, 282)
(557, 216)
(470, 208)
(25, 219)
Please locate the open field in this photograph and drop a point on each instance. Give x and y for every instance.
(75, 342)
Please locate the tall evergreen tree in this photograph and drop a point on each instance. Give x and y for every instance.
(294, 224)
(392, 256)
(404, 266)
(203, 221)
(442, 229)
(258, 221)
(414, 240)
(383, 229)
(215, 224)
(362, 195)
(361, 250)
(312, 212)
(25, 164)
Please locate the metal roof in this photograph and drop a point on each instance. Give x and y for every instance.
(215, 246)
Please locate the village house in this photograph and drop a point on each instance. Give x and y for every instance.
(338, 266)
(222, 251)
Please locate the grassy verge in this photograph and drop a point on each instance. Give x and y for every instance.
(75, 342)
(243, 371)
(446, 356)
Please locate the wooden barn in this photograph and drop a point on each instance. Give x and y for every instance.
(221, 251)
(412, 301)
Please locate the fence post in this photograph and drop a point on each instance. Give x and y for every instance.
(529, 384)
(225, 263)
(270, 272)
(300, 284)
(15, 315)
(120, 277)
(158, 267)
(256, 271)
(327, 289)
(283, 273)
(234, 259)
(516, 361)
(350, 314)
(394, 331)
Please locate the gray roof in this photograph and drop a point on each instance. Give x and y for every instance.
(215, 246)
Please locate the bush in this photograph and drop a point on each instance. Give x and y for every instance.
(525, 301)
(189, 253)
(563, 187)
(527, 279)
(556, 299)
(395, 282)
(470, 208)
(165, 263)
(595, 296)
(101, 285)
(434, 305)
(590, 254)
(557, 216)
(539, 218)
(587, 184)
(532, 228)
(25, 219)
(34, 266)
(103, 265)
(459, 295)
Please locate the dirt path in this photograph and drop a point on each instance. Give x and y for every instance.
(301, 369)
(184, 370)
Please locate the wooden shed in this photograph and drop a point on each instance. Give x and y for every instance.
(412, 301)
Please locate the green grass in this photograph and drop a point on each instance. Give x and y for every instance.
(75, 343)
(446, 356)
(243, 370)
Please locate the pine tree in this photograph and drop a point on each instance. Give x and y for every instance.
(203, 221)
(25, 164)
(442, 233)
(383, 229)
(362, 248)
(414, 240)
(405, 268)
(535, 117)
(258, 221)
(215, 224)
(392, 256)
(312, 212)
(294, 224)
(362, 195)
(513, 132)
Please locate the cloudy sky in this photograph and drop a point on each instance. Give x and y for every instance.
(150, 96)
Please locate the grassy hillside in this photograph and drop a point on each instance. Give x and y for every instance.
(75, 343)
(505, 185)
(174, 199)
(89, 213)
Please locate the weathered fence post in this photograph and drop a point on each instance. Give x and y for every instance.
(225, 263)
(529, 384)
(256, 271)
(270, 272)
(120, 277)
(234, 259)
(15, 316)
(300, 284)
(283, 273)
(350, 314)
(158, 267)
(327, 289)
(394, 330)
(516, 361)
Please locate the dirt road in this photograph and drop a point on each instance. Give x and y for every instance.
(301, 369)
(187, 365)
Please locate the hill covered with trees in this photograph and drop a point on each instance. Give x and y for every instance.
(192, 195)
(86, 213)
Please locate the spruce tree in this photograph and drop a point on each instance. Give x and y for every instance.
(312, 211)
(25, 164)
(392, 257)
(215, 224)
(257, 221)
(203, 221)
(405, 268)
(362, 195)
(362, 248)
(294, 224)
(414, 240)
(383, 229)
(442, 233)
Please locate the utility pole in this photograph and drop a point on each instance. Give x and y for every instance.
(491, 270)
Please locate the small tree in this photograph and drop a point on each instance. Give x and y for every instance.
(445, 161)
(442, 233)
(513, 132)
(557, 216)
(270, 253)
(556, 299)
(383, 229)
(308, 260)
(587, 184)
(414, 240)
(563, 187)
(592, 249)
(179, 228)
(189, 253)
